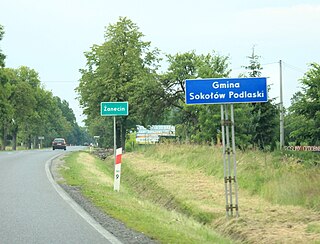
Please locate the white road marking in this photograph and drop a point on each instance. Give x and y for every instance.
(106, 234)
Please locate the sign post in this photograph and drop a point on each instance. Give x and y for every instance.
(40, 138)
(96, 140)
(115, 109)
(226, 91)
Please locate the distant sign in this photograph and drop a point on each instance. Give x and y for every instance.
(303, 148)
(114, 109)
(226, 90)
(152, 135)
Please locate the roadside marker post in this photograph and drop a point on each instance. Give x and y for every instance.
(117, 171)
(227, 91)
(113, 109)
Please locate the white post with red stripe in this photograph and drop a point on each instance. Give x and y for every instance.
(117, 169)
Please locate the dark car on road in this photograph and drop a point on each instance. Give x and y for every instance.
(59, 143)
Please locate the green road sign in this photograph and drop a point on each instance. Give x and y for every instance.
(114, 109)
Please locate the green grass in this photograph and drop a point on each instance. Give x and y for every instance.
(135, 204)
(71, 173)
(198, 157)
(313, 228)
(159, 199)
(289, 178)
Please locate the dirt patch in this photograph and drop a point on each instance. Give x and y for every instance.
(56, 165)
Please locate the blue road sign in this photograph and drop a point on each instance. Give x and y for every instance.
(226, 90)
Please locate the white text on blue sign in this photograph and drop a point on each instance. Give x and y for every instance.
(226, 90)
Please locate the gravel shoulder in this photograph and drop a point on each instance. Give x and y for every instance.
(117, 228)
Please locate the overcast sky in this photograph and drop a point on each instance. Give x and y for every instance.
(51, 36)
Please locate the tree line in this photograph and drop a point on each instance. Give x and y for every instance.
(28, 111)
(127, 68)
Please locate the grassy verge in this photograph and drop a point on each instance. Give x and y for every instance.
(288, 179)
(135, 203)
(175, 194)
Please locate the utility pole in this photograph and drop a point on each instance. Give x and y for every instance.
(281, 110)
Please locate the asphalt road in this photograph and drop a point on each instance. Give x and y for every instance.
(33, 209)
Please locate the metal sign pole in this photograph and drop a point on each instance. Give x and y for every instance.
(230, 172)
(228, 151)
(226, 91)
(114, 139)
(234, 162)
(115, 109)
(224, 157)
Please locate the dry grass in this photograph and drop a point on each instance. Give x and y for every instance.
(95, 181)
(259, 221)
(92, 171)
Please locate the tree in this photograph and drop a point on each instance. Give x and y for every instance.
(6, 108)
(2, 56)
(67, 113)
(23, 101)
(28, 111)
(196, 123)
(4, 92)
(23, 98)
(123, 68)
(265, 115)
(304, 113)
(181, 67)
(18, 101)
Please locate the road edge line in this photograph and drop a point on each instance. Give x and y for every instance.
(76, 207)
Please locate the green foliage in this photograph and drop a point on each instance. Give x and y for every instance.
(194, 123)
(181, 67)
(28, 111)
(304, 113)
(131, 142)
(72, 131)
(123, 68)
(6, 107)
(265, 121)
(2, 56)
(243, 125)
(41, 115)
(254, 67)
(264, 124)
(299, 129)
